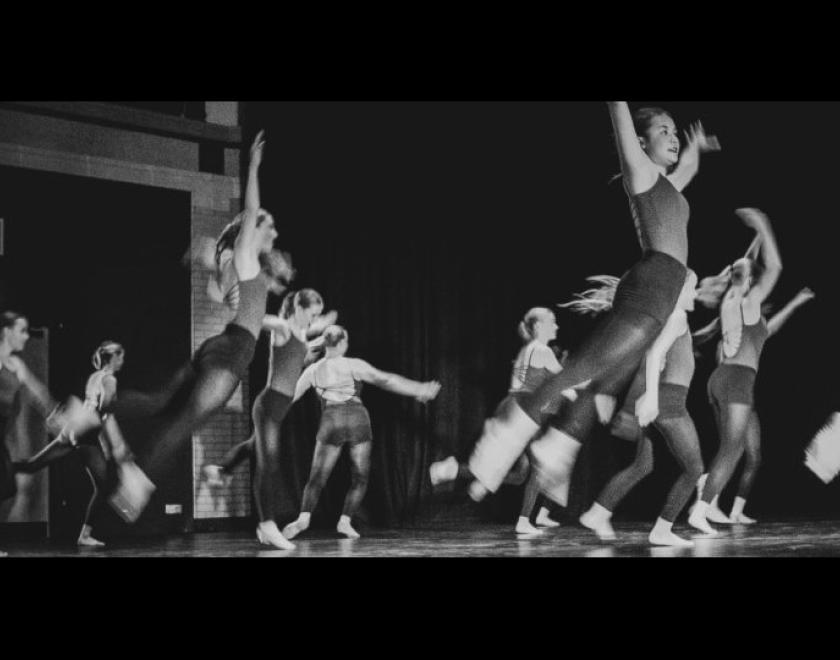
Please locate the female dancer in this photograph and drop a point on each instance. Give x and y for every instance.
(660, 400)
(752, 440)
(732, 383)
(534, 363)
(14, 375)
(344, 421)
(100, 452)
(654, 175)
(244, 278)
(299, 313)
(219, 476)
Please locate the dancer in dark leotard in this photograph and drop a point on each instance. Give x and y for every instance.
(14, 376)
(660, 400)
(534, 363)
(345, 422)
(654, 175)
(244, 280)
(752, 440)
(731, 384)
(100, 451)
(300, 313)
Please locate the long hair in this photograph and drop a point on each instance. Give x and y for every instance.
(107, 350)
(303, 299)
(596, 300)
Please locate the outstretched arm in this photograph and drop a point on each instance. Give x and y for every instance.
(39, 391)
(768, 251)
(244, 252)
(252, 189)
(279, 326)
(394, 383)
(780, 318)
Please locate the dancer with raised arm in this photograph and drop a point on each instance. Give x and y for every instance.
(732, 383)
(654, 174)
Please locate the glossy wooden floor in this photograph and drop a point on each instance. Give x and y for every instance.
(471, 539)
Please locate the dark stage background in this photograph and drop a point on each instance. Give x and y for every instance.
(432, 227)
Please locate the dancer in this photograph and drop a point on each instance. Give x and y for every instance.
(101, 451)
(345, 421)
(660, 400)
(654, 175)
(732, 383)
(219, 476)
(752, 440)
(244, 277)
(73, 417)
(534, 363)
(299, 313)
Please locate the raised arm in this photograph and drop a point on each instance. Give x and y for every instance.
(781, 317)
(696, 143)
(768, 251)
(636, 167)
(394, 383)
(245, 255)
(647, 407)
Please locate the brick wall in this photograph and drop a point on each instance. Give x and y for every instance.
(48, 144)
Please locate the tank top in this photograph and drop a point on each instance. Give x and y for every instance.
(334, 382)
(9, 389)
(95, 391)
(661, 218)
(286, 365)
(527, 378)
(752, 344)
(248, 298)
(679, 362)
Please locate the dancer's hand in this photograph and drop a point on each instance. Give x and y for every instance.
(753, 218)
(805, 295)
(571, 394)
(696, 135)
(257, 149)
(647, 409)
(428, 391)
(322, 322)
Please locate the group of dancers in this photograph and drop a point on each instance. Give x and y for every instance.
(632, 372)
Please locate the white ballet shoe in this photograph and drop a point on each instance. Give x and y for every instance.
(669, 539)
(133, 493)
(268, 534)
(599, 524)
(291, 530)
(3, 554)
(715, 515)
(476, 491)
(90, 542)
(443, 471)
(344, 527)
(544, 521)
(524, 526)
(697, 519)
(741, 519)
(215, 477)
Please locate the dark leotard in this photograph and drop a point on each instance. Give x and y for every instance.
(661, 218)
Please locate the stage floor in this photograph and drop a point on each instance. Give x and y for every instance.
(471, 539)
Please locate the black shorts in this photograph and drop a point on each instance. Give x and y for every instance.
(672, 400)
(344, 424)
(732, 383)
(232, 350)
(651, 286)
